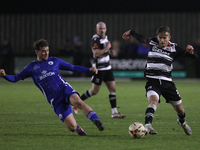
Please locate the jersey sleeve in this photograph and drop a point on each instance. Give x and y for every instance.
(75, 68)
(183, 53)
(140, 37)
(95, 44)
(12, 78)
(25, 73)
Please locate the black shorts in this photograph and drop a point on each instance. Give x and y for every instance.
(103, 75)
(165, 88)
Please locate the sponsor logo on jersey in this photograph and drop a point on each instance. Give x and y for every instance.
(50, 62)
(156, 49)
(36, 67)
(95, 44)
(45, 74)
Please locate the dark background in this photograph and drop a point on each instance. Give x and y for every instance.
(97, 6)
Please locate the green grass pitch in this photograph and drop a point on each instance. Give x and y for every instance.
(27, 122)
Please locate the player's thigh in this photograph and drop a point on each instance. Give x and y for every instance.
(153, 91)
(111, 86)
(171, 94)
(98, 78)
(95, 88)
(108, 76)
(77, 102)
(75, 99)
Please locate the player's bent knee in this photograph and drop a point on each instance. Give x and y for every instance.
(72, 128)
(79, 104)
(94, 92)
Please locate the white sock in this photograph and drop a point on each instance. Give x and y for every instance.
(114, 110)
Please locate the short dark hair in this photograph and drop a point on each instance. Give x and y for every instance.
(37, 45)
(162, 29)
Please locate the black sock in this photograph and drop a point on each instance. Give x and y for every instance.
(181, 118)
(113, 100)
(149, 114)
(85, 95)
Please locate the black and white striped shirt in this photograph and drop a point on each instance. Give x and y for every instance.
(102, 62)
(159, 60)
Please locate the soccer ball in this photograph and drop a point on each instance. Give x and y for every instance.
(137, 130)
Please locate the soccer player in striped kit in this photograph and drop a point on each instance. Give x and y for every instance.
(59, 93)
(162, 53)
(101, 50)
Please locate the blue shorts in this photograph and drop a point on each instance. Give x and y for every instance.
(61, 104)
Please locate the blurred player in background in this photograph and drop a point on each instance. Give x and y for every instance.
(100, 47)
(59, 93)
(162, 53)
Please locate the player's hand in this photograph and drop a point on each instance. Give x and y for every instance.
(94, 69)
(112, 52)
(2, 72)
(126, 35)
(190, 49)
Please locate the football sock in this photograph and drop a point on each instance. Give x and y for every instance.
(149, 114)
(114, 110)
(86, 94)
(181, 118)
(112, 99)
(92, 116)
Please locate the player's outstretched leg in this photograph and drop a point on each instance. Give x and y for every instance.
(72, 125)
(83, 97)
(95, 119)
(185, 127)
(87, 111)
(181, 118)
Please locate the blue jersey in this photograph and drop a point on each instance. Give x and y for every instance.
(46, 76)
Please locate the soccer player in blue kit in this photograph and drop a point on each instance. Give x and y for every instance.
(59, 93)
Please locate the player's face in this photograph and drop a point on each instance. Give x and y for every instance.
(43, 53)
(163, 39)
(101, 29)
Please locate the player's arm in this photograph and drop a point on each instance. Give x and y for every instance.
(11, 78)
(139, 37)
(188, 52)
(97, 51)
(81, 69)
(25, 73)
(75, 68)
